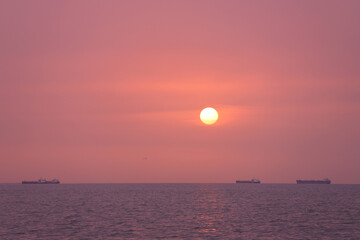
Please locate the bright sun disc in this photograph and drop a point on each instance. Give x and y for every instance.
(209, 115)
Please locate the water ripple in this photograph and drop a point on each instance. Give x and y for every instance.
(179, 211)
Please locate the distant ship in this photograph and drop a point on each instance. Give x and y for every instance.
(42, 181)
(248, 181)
(324, 181)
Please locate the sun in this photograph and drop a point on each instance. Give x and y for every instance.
(209, 116)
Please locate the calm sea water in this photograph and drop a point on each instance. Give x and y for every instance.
(179, 211)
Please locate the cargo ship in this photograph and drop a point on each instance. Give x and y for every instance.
(324, 181)
(42, 181)
(248, 181)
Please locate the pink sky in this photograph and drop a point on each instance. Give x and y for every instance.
(111, 91)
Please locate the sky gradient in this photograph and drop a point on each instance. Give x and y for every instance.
(111, 91)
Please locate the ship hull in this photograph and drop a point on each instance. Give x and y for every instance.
(313, 181)
(247, 182)
(35, 182)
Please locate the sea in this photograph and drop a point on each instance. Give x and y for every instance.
(179, 211)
